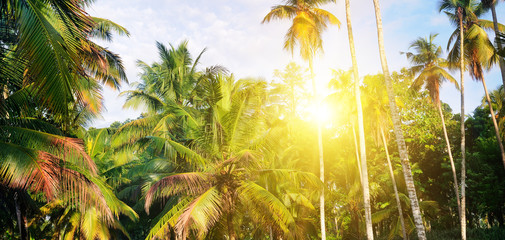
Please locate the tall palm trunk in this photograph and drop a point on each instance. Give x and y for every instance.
(361, 128)
(321, 158)
(397, 197)
(453, 168)
(462, 124)
(358, 162)
(495, 124)
(498, 42)
(402, 149)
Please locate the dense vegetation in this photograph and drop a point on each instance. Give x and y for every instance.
(215, 157)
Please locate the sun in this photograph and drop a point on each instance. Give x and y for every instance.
(320, 112)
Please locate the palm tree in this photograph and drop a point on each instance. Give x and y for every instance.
(36, 157)
(479, 54)
(88, 224)
(490, 5)
(308, 22)
(42, 75)
(429, 68)
(497, 97)
(376, 101)
(459, 7)
(169, 91)
(362, 147)
(409, 181)
(209, 198)
(50, 36)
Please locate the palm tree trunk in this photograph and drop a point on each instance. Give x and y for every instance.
(23, 234)
(358, 162)
(495, 124)
(361, 128)
(407, 172)
(462, 124)
(231, 230)
(321, 159)
(498, 42)
(397, 197)
(454, 176)
(336, 227)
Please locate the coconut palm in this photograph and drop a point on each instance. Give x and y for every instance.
(429, 68)
(479, 54)
(362, 147)
(88, 224)
(490, 5)
(62, 67)
(308, 22)
(402, 149)
(169, 91)
(497, 97)
(50, 37)
(42, 73)
(460, 8)
(207, 200)
(376, 101)
(36, 157)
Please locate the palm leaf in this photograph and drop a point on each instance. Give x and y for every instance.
(265, 202)
(202, 213)
(168, 218)
(190, 183)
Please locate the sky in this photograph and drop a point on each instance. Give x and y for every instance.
(232, 33)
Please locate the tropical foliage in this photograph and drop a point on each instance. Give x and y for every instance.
(213, 156)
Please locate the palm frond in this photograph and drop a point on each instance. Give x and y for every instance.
(168, 218)
(280, 12)
(266, 202)
(202, 213)
(102, 29)
(190, 183)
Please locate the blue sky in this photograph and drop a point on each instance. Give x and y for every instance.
(232, 32)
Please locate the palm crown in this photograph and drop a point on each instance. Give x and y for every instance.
(429, 66)
(309, 22)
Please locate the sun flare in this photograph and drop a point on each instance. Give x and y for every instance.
(320, 112)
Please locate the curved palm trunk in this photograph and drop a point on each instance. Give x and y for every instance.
(402, 149)
(498, 42)
(495, 124)
(321, 159)
(397, 197)
(361, 128)
(462, 125)
(453, 168)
